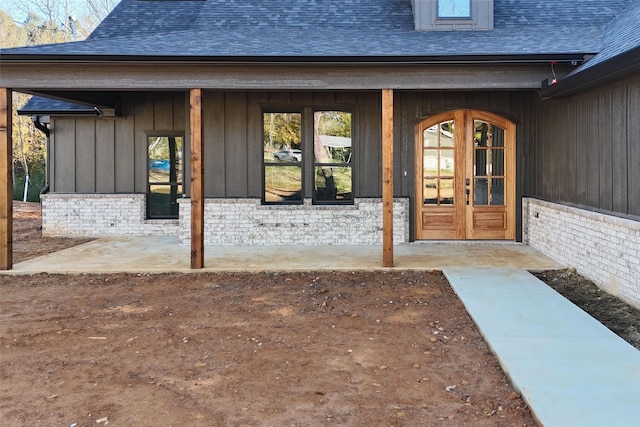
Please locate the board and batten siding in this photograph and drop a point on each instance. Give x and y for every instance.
(90, 155)
(109, 155)
(233, 138)
(587, 149)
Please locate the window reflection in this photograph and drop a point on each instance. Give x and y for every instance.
(439, 164)
(332, 152)
(282, 155)
(164, 176)
(489, 158)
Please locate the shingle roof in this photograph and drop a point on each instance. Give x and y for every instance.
(334, 29)
(622, 34)
(40, 105)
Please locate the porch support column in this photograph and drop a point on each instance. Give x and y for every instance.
(6, 182)
(387, 177)
(197, 180)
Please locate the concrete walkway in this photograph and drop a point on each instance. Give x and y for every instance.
(570, 369)
(165, 254)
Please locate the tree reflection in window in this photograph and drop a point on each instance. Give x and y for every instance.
(332, 149)
(282, 157)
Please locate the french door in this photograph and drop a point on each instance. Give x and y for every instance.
(465, 176)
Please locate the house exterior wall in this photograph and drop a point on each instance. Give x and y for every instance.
(248, 222)
(108, 156)
(587, 149)
(585, 178)
(100, 215)
(600, 246)
(90, 155)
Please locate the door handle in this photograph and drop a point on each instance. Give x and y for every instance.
(467, 192)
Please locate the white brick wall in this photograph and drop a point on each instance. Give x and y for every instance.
(603, 248)
(248, 222)
(98, 215)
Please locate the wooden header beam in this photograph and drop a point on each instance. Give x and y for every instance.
(197, 179)
(387, 178)
(6, 183)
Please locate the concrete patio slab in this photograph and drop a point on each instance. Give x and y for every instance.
(165, 254)
(570, 369)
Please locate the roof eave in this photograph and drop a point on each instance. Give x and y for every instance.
(608, 71)
(573, 58)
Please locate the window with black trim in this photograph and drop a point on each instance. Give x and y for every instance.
(282, 154)
(333, 179)
(287, 164)
(164, 175)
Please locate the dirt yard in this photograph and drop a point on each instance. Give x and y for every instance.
(300, 349)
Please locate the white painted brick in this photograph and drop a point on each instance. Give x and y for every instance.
(247, 222)
(98, 215)
(603, 248)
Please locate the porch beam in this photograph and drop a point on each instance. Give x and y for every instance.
(6, 182)
(387, 177)
(197, 180)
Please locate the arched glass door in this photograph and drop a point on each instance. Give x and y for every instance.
(465, 189)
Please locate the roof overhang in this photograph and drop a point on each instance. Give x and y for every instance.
(605, 72)
(41, 73)
(570, 58)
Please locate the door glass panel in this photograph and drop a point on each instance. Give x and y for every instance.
(481, 192)
(497, 162)
(446, 191)
(438, 164)
(497, 136)
(430, 191)
(497, 192)
(446, 163)
(446, 134)
(489, 157)
(430, 137)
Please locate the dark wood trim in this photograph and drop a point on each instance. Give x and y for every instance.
(6, 184)
(387, 178)
(197, 180)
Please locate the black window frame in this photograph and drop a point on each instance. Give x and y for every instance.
(300, 164)
(308, 162)
(349, 164)
(176, 184)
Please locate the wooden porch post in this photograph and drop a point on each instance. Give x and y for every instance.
(387, 177)
(6, 183)
(197, 180)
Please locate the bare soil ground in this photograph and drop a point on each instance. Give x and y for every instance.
(295, 349)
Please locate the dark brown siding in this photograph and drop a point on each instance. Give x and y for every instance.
(90, 155)
(100, 155)
(587, 149)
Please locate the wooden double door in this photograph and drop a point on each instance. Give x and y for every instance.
(465, 177)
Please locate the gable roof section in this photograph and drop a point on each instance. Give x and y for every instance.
(321, 30)
(619, 56)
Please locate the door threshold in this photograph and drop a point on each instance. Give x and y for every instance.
(466, 242)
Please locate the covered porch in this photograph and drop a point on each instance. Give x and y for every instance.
(158, 254)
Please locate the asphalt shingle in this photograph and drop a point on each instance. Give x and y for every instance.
(337, 28)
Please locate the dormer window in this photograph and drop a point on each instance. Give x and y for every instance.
(454, 9)
(453, 15)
